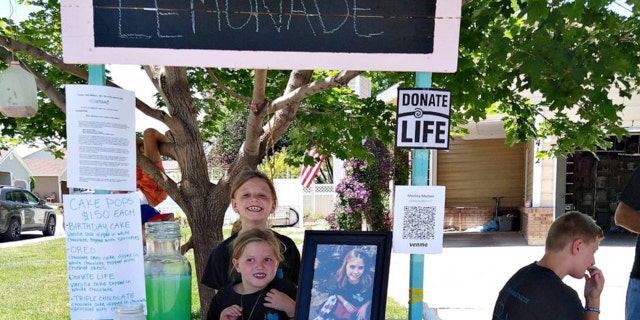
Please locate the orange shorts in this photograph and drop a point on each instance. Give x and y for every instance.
(150, 188)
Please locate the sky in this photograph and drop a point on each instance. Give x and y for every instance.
(132, 77)
(129, 77)
(9, 8)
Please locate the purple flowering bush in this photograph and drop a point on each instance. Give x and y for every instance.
(364, 192)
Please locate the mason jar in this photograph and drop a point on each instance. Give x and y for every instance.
(167, 273)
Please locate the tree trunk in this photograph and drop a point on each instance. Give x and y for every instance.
(206, 228)
(203, 202)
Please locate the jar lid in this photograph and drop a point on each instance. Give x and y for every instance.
(162, 230)
(129, 309)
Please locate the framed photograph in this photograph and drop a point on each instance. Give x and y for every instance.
(344, 274)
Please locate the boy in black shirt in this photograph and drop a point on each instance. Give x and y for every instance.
(537, 292)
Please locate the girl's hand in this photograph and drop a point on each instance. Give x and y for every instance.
(280, 301)
(347, 305)
(362, 312)
(231, 313)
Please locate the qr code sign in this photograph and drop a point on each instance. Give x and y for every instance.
(419, 222)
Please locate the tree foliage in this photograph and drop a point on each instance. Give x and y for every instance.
(276, 167)
(571, 54)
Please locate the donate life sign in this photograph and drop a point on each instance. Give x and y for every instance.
(423, 119)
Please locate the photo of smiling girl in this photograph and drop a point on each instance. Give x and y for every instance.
(351, 295)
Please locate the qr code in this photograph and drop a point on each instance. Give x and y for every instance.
(419, 222)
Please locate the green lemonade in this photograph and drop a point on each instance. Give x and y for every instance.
(168, 297)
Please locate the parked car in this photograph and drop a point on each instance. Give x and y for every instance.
(21, 210)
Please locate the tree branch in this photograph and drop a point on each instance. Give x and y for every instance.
(50, 90)
(286, 106)
(251, 145)
(258, 111)
(39, 54)
(259, 104)
(167, 149)
(226, 89)
(259, 86)
(310, 89)
(163, 180)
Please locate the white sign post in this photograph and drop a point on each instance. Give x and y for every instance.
(423, 118)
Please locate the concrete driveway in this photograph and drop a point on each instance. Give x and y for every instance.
(463, 281)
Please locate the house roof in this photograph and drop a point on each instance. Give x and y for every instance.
(24, 150)
(58, 167)
(37, 151)
(4, 155)
(46, 167)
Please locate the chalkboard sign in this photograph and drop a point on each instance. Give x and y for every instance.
(256, 33)
(370, 26)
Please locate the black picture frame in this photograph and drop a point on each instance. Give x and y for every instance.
(323, 255)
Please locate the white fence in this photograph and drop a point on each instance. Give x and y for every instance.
(317, 200)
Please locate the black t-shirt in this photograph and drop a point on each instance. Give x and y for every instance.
(537, 293)
(631, 196)
(357, 296)
(216, 272)
(252, 308)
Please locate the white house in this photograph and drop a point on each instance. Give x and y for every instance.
(13, 171)
(49, 172)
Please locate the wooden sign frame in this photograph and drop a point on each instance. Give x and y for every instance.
(389, 35)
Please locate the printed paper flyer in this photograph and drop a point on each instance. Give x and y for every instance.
(418, 219)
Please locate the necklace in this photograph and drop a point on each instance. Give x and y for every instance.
(254, 305)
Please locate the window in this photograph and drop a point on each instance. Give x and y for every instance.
(31, 198)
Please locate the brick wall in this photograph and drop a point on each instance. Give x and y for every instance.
(535, 223)
(462, 218)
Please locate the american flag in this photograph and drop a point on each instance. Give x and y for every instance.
(309, 173)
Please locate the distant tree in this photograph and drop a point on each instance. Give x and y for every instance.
(277, 168)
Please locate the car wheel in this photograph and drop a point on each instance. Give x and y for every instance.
(14, 231)
(50, 228)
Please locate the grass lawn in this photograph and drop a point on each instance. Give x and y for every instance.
(33, 281)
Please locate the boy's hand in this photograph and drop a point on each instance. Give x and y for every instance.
(594, 283)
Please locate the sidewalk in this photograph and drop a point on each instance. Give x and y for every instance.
(463, 281)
